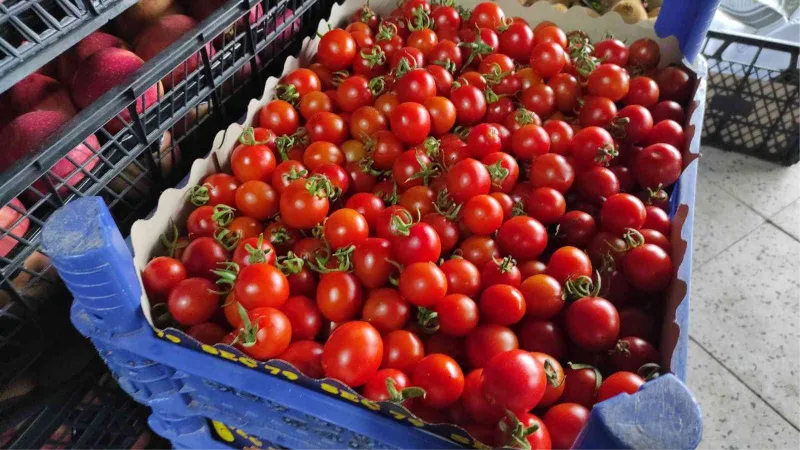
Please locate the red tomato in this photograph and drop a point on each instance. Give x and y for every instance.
(261, 285)
(267, 335)
(482, 215)
(514, 380)
(503, 271)
(620, 212)
(619, 383)
(564, 421)
(517, 41)
(502, 304)
(411, 123)
(280, 117)
(555, 378)
(569, 263)
(631, 353)
(457, 314)
(304, 204)
(207, 333)
(376, 388)
(345, 227)
(339, 296)
(336, 50)
(582, 382)
(531, 428)
(592, 323)
(486, 341)
(402, 350)
(386, 310)
(423, 284)
(524, 238)
(462, 277)
(658, 165)
(306, 356)
(610, 81)
(193, 301)
(202, 256)
(304, 316)
(644, 53)
(441, 378)
(542, 336)
(352, 353)
(553, 171)
(546, 205)
(251, 160)
(470, 104)
(648, 268)
(327, 127)
(547, 59)
(161, 275)
(254, 250)
(479, 250)
(466, 179)
(371, 262)
(543, 296)
(612, 51)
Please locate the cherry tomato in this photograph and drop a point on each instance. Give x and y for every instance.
(254, 250)
(352, 353)
(466, 179)
(462, 277)
(336, 50)
(487, 15)
(639, 126)
(402, 350)
(252, 162)
(280, 117)
(592, 323)
(486, 341)
(268, 334)
(285, 173)
(540, 99)
(474, 402)
(643, 91)
(517, 41)
(582, 382)
(543, 296)
(524, 238)
(339, 296)
(618, 383)
(530, 142)
(514, 380)
(610, 81)
(417, 243)
(482, 215)
(546, 205)
(644, 53)
(202, 256)
(479, 250)
(207, 333)
(631, 353)
(441, 378)
(304, 316)
(553, 171)
(612, 51)
(261, 285)
(306, 356)
(386, 310)
(416, 86)
(648, 268)
(423, 284)
(620, 212)
(667, 110)
(502, 304)
(470, 104)
(547, 59)
(567, 91)
(303, 205)
(257, 199)
(411, 123)
(564, 422)
(221, 189)
(193, 301)
(375, 389)
(544, 336)
(161, 275)
(674, 84)
(328, 127)
(457, 315)
(569, 263)
(443, 114)
(535, 432)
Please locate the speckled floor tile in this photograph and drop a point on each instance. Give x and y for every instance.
(764, 186)
(720, 220)
(733, 417)
(745, 311)
(789, 219)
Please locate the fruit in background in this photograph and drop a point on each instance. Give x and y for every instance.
(27, 132)
(39, 92)
(168, 155)
(67, 63)
(136, 18)
(10, 220)
(107, 68)
(159, 35)
(201, 9)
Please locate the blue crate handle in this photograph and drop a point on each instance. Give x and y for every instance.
(687, 20)
(90, 254)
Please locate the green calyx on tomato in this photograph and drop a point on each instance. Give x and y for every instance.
(432, 146)
(428, 320)
(632, 239)
(523, 117)
(497, 172)
(247, 336)
(506, 264)
(375, 56)
(226, 238)
(386, 30)
(552, 374)
(598, 377)
(476, 48)
(339, 77)
(398, 397)
(649, 371)
(446, 206)
(227, 276)
(171, 240)
(403, 67)
(421, 20)
(377, 85)
(248, 136)
(580, 287)
(223, 215)
(449, 65)
(518, 209)
(517, 432)
(403, 224)
(605, 154)
(427, 170)
(343, 257)
(198, 195)
(287, 93)
(257, 254)
(290, 264)
(320, 186)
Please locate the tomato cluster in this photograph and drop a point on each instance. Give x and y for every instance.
(451, 210)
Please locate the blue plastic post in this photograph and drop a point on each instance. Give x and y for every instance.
(687, 20)
(662, 414)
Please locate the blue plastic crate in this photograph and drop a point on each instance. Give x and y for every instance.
(187, 388)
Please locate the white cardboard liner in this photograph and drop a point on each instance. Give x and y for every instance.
(172, 205)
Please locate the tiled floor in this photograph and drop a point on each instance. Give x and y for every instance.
(744, 354)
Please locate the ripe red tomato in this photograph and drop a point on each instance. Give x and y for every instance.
(618, 383)
(345, 227)
(386, 310)
(648, 267)
(306, 356)
(252, 161)
(553, 171)
(304, 316)
(375, 389)
(267, 335)
(254, 250)
(336, 50)
(161, 275)
(610, 81)
(475, 403)
(544, 336)
(517, 41)
(339, 296)
(524, 238)
(569, 263)
(352, 353)
(280, 117)
(411, 123)
(530, 142)
(502, 304)
(462, 277)
(466, 179)
(470, 104)
(423, 284)
(546, 205)
(327, 127)
(257, 199)
(402, 350)
(260, 285)
(441, 378)
(567, 90)
(443, 114)
(555, 378)
(534, 430)
(658, 164)
(612, 51)
(221, 189)
(564, 421)
(304, 204)
(620, 212)
(486, 341)
(592, 323)
(207, 333)
(644, 53)
(547, 59)
(416, 243)
(202, 256)
(643, 91)
(457, 314)
(514, 380)
(631, 353)
(592, 146)
(193, 301)
(482, 215)
(539, 99)
(543, 296)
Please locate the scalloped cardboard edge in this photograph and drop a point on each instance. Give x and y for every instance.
(172, 205)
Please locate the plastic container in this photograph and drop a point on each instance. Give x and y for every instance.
(188, 385)
(753, 96)
(34, 32)
(128, 168)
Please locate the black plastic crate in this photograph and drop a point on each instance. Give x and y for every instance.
(130, 168)
(753, 109)
(33, 32)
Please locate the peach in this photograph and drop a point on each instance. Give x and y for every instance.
(103, 71)
(25, 134)
(91, 44)
(136, 18)
(40, 92)
(201, 9)
(159, 35)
